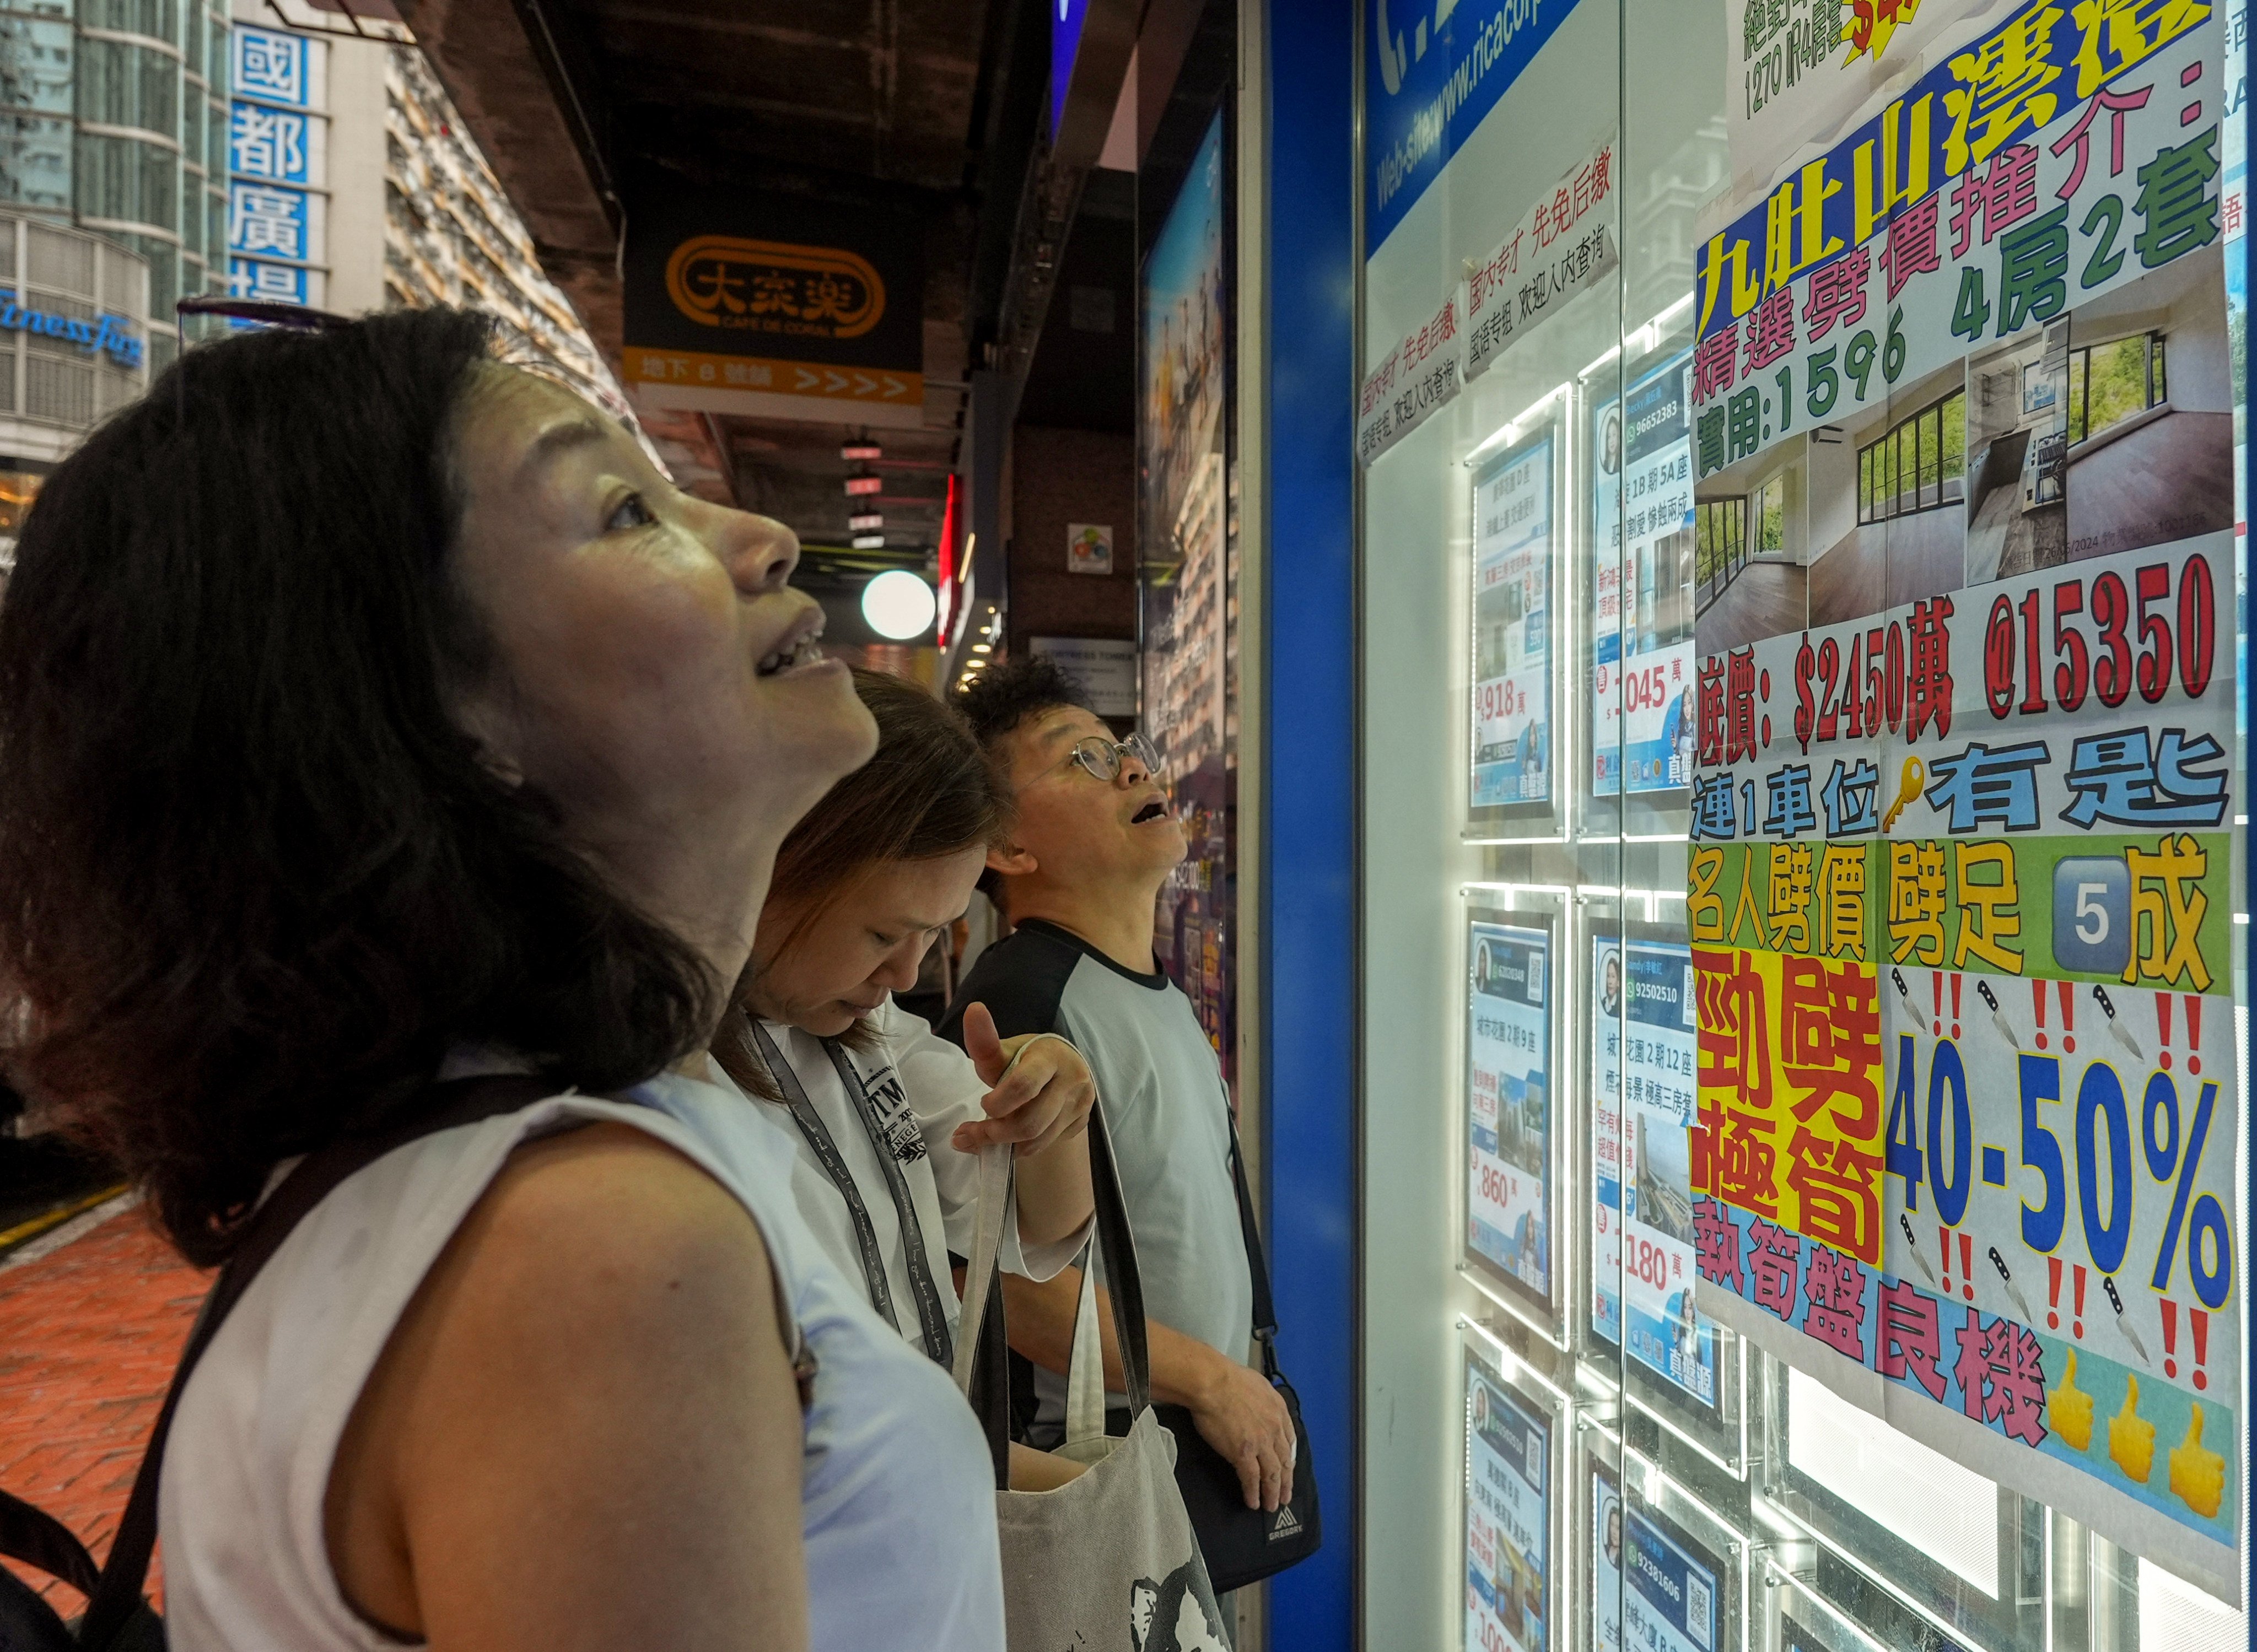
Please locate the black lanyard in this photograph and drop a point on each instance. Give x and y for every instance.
(931, 1317)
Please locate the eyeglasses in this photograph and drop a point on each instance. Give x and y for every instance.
(1101, 758)
(267, 311)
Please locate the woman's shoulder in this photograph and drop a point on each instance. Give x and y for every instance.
(610, 1197)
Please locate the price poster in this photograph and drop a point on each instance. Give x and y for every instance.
(1642, 535)
(1960, 881)
(1513, 519)
(1606, 1559)
(1644, 1056)
(1508, 1517)
(1509, 1112)
(1670, 1601)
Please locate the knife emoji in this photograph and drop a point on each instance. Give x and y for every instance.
(2108, 1284)
(1999, 1016)
(1913, 1244)
(2013, 1289)
(1903, 992)
(2116, 1024)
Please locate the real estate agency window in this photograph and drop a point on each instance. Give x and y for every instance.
(1920, 464)
(2109, 383)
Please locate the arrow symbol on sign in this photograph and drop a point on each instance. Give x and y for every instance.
(807, 380)
(862, 384)
(893, 386)
(837, 381)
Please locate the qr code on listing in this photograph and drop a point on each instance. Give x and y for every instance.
(1697, 1614)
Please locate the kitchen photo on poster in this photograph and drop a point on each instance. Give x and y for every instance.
(1508, 1517)
(1512, 734)
(1645, 1054)
(1669, 1601)
(1606, 1559)
(1643, 539)
(1509, 1105)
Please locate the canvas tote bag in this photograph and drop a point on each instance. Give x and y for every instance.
(1108, 1562)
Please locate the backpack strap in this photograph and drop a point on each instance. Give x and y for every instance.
(115, 1598)
(39, 1539)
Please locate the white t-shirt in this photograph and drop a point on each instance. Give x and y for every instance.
(897, 1490)
(1167, 1112)
(923, 1087)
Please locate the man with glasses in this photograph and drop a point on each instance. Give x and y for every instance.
(1078, 877)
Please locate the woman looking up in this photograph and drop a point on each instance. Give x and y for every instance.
(374, 713)
(887, 1117)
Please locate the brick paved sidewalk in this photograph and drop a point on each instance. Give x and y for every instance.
(88, 1334)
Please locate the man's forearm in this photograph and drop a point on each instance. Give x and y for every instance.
(1054, 1193)
(1040, 1318)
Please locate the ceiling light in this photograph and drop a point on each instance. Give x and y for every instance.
(898, 605)
(864, 521)
(857, 486)
(979, 648)
(861, 452)
(869, 541)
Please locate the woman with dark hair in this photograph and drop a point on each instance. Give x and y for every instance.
(373, 713)
(888, 1117)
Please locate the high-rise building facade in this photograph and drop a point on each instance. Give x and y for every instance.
(353, 185)
(450, 236)
(113, 115)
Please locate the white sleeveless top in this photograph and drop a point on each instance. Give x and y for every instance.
(897, 1494)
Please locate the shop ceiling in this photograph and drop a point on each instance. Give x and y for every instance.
(932, 109)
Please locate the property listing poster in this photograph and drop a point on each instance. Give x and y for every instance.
(1508, 1517)
(1961, 883)
(1509, 1091)
(1669, 1603)
(1188, 577)
(1606, 1559)
(1512, 622)
(1643, 1056)
(1642, 537)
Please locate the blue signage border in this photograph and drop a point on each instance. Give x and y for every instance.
(1426, 85)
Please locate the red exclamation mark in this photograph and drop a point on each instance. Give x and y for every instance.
(2078, 1327)
(1944, 1243)
(1937, 981)
(2037, 998)
(2201, 1324)
(2052, 1293)
(2194, 1032)
(2163, 1027)
(1957, 982)
(1967, 1266)
(2171, 1337)
(2068, 1018)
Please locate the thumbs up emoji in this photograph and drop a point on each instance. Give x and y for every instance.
(2131, 1438)
(2070, 1410)
(2198, 1476)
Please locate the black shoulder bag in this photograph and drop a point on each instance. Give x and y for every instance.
(1244, 1545)
(117, 1619)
